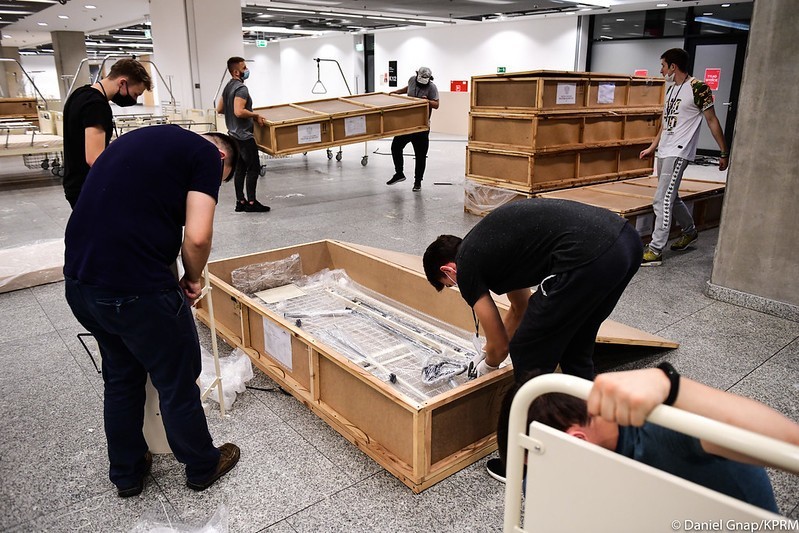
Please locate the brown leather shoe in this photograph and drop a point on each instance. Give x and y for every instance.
(139, 487)
(229, 456)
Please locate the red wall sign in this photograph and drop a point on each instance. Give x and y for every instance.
(640, 72)
(459, 86)
(712, 76)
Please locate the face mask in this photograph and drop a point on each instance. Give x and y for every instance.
(669, 78)
(245, 75)
(454, 283)
(123, 100)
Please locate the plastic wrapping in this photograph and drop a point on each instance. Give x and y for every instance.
(32, 264)
(250, 279)
(157, 520)
(480, 199)
(419, 356)
(235, 371)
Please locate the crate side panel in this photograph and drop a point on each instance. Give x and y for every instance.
(371, 412)
(506, 93)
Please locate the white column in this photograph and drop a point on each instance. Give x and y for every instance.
(192, 40)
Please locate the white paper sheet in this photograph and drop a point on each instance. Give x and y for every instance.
(567, 93)
(354, 126)
(277, 342)
(309, 133)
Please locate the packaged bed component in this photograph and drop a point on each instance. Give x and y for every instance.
(313, 125)
(419, 428)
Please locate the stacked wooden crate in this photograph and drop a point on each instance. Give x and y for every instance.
(544, 130)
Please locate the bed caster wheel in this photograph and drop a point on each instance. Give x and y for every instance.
(338, 156)
(45, 164)
(262, 171)
(365, 160)
(329, 154)
(305, 153)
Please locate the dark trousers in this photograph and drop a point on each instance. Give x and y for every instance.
(247, 169)
(561, 326)
(421, 144)
(139, 334)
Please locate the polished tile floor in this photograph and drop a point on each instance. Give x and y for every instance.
(296, 474)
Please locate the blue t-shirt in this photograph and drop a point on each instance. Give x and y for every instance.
(683, 456)
(127, 228)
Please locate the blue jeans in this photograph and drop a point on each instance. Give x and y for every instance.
(141, 333)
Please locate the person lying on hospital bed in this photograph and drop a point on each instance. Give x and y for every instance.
(614, 417)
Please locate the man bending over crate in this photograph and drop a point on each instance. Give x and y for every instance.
(150, 196)
(614, 417)
(687, 101)
(581, 258)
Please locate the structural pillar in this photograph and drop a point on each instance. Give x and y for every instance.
(192, 40)
(69, 48)
(756, 262)
(10, 74)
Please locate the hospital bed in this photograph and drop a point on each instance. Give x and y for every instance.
(573, 486)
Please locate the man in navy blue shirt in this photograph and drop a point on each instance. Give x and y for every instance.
(149, 196)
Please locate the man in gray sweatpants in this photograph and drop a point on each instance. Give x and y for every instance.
(688, 100)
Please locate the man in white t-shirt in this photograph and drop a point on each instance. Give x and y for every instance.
(687, 101)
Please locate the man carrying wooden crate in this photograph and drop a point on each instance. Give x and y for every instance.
(419, 86)
(676, 144)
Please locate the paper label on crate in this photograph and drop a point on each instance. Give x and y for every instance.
(309, 133)
(607, 93)
(354, 126)
(277, 342)
(567, 93)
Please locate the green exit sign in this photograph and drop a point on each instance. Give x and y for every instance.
(500, 70)
(260, 43)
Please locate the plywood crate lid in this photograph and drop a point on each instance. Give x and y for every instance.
(286, 112)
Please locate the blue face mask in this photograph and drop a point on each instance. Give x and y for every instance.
(245, 75)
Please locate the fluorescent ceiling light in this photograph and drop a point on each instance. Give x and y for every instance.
(662, 5)
(291, 10)
(89, 6)
(63, 17)
(389, 18)
(9, 12)
(723, 23)
(42, 23)
(269, 29)
(347, 15)
(496, 2)
(42, 1)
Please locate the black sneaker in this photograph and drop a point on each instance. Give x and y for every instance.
(228, 457)
(139, 487)
(495, 469)
(417, 186)
(396, 178)
(256, 207)
(241, 206)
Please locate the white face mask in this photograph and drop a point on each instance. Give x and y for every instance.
(454, 283)
(669, 78)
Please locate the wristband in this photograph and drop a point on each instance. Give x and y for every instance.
(674, 380)
(724, 155)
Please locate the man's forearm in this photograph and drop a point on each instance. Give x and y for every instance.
(195, 256)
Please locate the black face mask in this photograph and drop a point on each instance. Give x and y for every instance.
(123, 101)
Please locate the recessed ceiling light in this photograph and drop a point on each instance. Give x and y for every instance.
(7, 36)
(63, 17)
(619, 20)
(725, 5)
(708, 14)
(662, 5)
(42, 23)
(89, 6)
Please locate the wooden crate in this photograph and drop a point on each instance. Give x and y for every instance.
(557, 90)
(313, 125)
(543, 132)
(632, 199)
(22, 109)
(547, 171)
(420, 444)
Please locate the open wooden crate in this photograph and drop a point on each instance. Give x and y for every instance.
(317, 124)
(420, 443)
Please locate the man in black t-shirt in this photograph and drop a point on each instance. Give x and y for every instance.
(88, 120)
(580, 257)
(150, 196)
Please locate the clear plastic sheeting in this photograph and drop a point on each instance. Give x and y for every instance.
(235, 371)
(32, 264)
(419, 356)
(250, 279)
(480, 199)
(158, 520)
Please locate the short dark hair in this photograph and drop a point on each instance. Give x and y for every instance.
(440, 252)
(133, 71)
(676, 56)
(555, 409)
(232, 62)
(228, 145)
